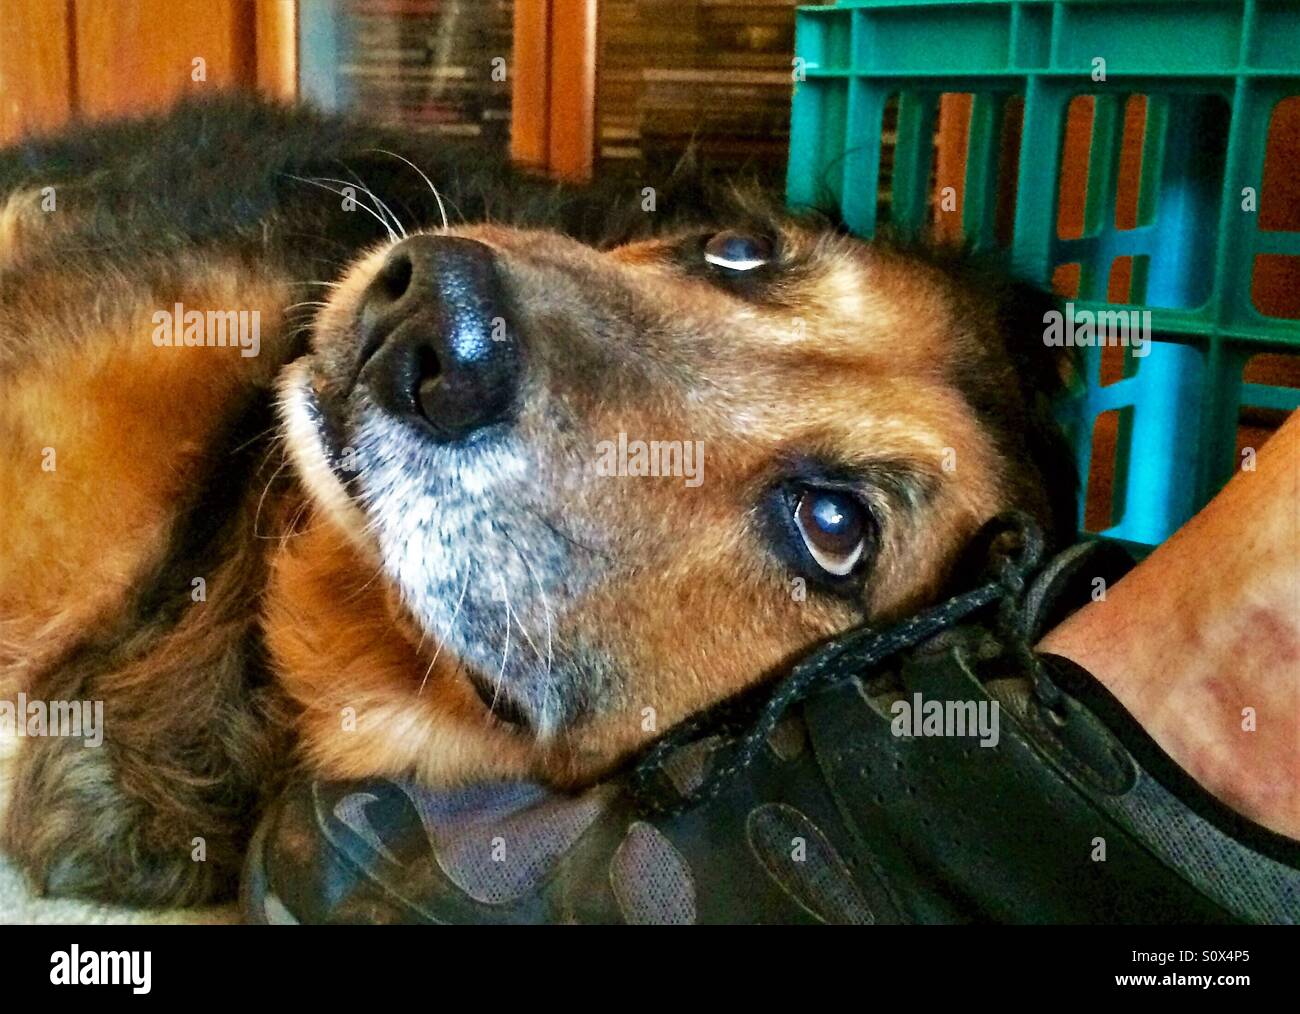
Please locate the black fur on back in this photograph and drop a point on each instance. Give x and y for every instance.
(230, 172)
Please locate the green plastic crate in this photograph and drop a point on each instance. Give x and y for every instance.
(1194, 247)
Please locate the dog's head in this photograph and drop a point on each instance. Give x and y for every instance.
(613, 486)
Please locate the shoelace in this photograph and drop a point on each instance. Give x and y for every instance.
(863, 648)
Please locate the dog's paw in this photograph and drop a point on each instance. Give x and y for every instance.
(80, 825)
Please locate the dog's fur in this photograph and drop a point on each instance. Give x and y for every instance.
(353, 617)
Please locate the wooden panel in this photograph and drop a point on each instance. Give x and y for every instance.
(530, 93)
(138, 55)
(36, 56)
(277, 48)
(573, 88)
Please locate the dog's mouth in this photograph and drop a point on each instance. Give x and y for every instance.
(460, 530)
(498, 701)
(316, 445)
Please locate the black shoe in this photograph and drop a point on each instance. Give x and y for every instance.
(1051, 805)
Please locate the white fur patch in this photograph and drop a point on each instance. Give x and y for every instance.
(461, 530)
(297, 410)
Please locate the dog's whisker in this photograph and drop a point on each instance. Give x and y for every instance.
(273, 428)
(364, 207)
(443, 640)
(505, 651)
(562, 534)
(524, 631)
(380, 206)
(261, 500)
(375, 575)
(290, 531)
(546, 606)
(442, 210)
(379, 202)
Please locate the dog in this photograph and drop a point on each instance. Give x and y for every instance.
(328, 451)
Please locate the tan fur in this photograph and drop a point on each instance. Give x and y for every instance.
(123, 421)
(18, 219)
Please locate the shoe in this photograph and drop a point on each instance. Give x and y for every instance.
(964, 779)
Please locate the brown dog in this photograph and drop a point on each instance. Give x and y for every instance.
(531, 496)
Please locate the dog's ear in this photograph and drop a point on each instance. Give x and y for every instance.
(1046, 374)
(627, 209)
(1024, 310)
(1024, 427)
(689, 166)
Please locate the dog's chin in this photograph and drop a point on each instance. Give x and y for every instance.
(313, 451)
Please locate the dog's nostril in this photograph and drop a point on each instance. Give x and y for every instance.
(391, 282)
(394, 277)
(428, 378)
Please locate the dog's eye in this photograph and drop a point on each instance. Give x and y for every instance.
(738, 251)
(834, 528)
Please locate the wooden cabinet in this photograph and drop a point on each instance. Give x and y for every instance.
(37, 80)
(96, 58)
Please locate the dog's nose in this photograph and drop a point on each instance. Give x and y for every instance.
(437, 340)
